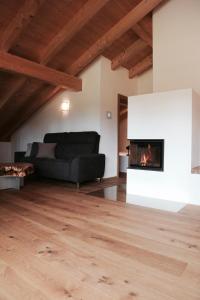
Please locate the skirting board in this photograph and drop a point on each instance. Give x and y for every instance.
(161, 204)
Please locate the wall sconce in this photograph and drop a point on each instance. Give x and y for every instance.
(109, 115)
(65, 106)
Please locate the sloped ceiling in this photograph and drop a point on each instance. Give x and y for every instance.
(45, 44)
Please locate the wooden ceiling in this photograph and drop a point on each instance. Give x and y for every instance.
(45, 44)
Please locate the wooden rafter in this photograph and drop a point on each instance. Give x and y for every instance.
(23, 16)
(86, 12)
(134, 16)
(129, 52)
(142, 66)
(23, 66)
(145, 36)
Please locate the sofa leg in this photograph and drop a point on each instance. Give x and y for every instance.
(77, 185)
(100, 179)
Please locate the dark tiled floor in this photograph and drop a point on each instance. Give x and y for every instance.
(114, 193)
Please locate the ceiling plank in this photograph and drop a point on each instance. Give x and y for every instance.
(23, 16)
(129, 52)
(16, 85)
(134, 16)
(26, 67)
(140, 67)
(146, 23)
(18, 99)
(86, 12)
(141, 33)
(44, 95)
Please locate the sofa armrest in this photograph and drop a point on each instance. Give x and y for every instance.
(20, 156)
(87, 167)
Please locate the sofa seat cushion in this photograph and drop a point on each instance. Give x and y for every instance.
(53, 168)
(69, 151)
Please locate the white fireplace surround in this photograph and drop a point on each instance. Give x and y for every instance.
(174, 117)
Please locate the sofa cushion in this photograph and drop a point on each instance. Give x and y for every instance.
(46, 150)
(85, 137)
(52, 168)
(68, 151)
(60, 137)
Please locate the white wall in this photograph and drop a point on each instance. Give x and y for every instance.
(176, 46)
(195, 130)
(88, 111)
(167, 116)
(112, 84)
(5, 152)
(145, 83)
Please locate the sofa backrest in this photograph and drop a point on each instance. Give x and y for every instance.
(91, 138)
(59, 137)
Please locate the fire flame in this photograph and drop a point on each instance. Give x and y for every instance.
(146, 157)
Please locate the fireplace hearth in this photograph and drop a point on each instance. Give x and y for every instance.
(146, 155)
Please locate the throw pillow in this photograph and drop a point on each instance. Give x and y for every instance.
(46, 150)
(28, 150)
(34, 149)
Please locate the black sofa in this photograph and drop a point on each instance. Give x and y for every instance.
(77, 157)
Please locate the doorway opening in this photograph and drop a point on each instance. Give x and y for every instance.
(123, 142)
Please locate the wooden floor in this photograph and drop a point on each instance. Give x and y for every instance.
(57, 243)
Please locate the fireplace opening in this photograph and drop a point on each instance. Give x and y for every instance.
(146, 154)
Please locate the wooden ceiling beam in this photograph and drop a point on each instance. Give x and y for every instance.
(129, 52)
(81, 18)
(141, 33)
(19, 22)
(133, 17)
(25, 67)
(140, 67)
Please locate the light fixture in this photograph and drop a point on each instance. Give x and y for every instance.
(109, 115)
(65, 106)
